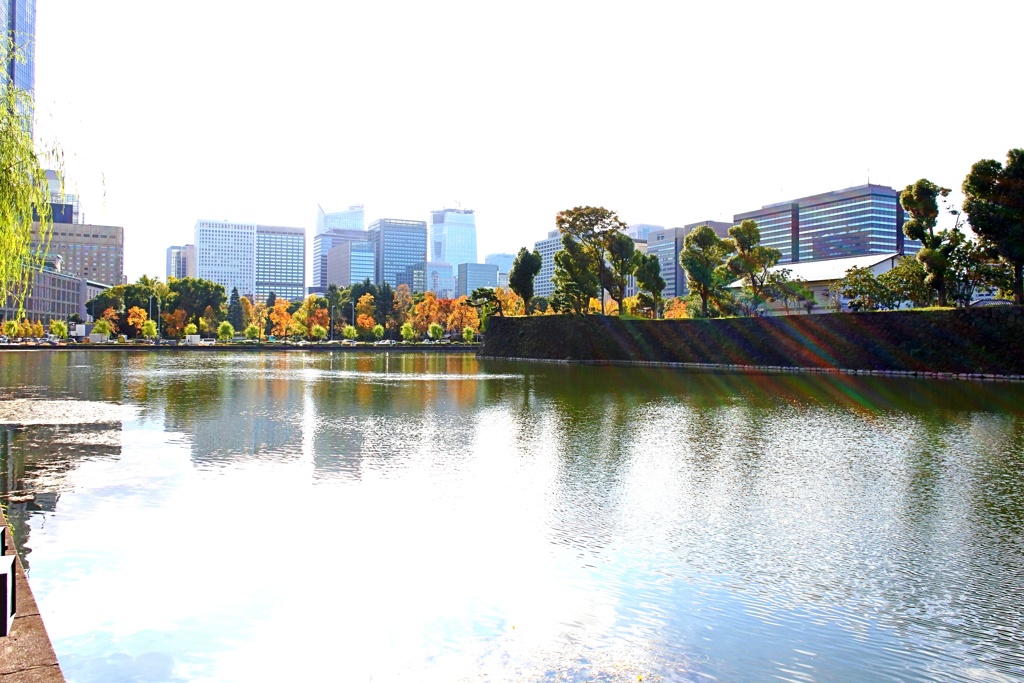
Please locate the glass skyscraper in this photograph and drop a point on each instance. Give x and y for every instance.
(18, 17)
(867, 219)
(351, 218)
(400, 251)
(453, 236)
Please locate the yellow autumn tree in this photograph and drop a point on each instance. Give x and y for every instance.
(137, 318)
(463, 315)
(280, 318)
(426, 313)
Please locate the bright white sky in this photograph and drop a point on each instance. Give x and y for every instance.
(666, 112)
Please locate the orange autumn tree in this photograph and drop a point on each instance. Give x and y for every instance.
(174, 323)
(137, 318)
(676, 308)
(111, 316)
(425, 313)
(280, 318)
(365, 308)
(402, 305)
(463, 315)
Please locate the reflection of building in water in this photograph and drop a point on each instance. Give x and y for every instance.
(35, 461)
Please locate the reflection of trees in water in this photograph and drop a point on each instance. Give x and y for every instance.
(92, 375)
(35, 464)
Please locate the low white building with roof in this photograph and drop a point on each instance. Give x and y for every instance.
(818, 276)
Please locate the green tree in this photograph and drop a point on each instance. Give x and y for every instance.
(235, 309)
(384, 304)
(524, 269)
(149, 329)
(195, 296)
(24, 192)
(59, 329)
(378, 331)
(252, 333)
(468, 335)
(703, 258)
(920, 200)
(407, 331)
(619, 253)
(863, 290)
(752, 262)
(350, 332)
(10, 328)
(576, 282)
(592, 227)
(190, 329)
(102, 327)
(318, 332)
(906, 283)
(225, 331)
(781, 286)
(435, 331)
(647, 270)
(994, 203)
(975, 267)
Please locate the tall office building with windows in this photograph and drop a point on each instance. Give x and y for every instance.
(453, 236)
(257, 259)
(352, 218)
(93, 252)
(323, 243)
(866, 219)
(18, 20)
(181, 261)
(542, 284)
(400, 251)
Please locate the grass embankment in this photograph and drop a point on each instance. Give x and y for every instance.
(986, 340)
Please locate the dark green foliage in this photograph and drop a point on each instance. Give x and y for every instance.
(752, 262)
(619, 252)
(520, 278)
(235, 310)
(906, 283)
(593, 228)
(384, 304)
(994, 202)
(194, 295)
(575, 279)
(647, 270)
(703, 259)
(920, 200)
(539, 303)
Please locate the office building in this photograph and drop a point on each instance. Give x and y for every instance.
(439, 278)
(866, 219)
(453, 236)
(640, 231)
(400, 250)
(64, 206)
(255, 259)
(54, 295)
(542, 284)
(349, 263)
(280, 263)
(323, 243)
(181, 261)
(351, 218)
(93, 252)
(475, 275)
(18, 21)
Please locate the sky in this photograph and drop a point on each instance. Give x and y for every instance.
(665, 112)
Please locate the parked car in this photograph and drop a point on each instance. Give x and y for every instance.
(348, 342)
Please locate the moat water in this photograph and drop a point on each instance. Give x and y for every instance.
(419, 517)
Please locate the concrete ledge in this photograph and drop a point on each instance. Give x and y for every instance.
(26, 655)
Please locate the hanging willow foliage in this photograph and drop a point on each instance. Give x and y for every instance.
(23, 187)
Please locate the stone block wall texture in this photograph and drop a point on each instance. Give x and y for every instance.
(979, 340)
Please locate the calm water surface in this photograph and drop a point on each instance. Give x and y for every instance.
(216, 517)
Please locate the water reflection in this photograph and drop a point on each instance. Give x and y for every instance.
(443, 518)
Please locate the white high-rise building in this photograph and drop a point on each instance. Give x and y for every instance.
(257, 259)
(453, 236)
(542, 284)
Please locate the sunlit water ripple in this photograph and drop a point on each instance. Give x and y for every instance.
(426, 517)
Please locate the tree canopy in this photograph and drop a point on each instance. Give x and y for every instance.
(994, 203)
(702, 258)
(524, 269)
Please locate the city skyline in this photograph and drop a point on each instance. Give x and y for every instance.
(692, 128)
